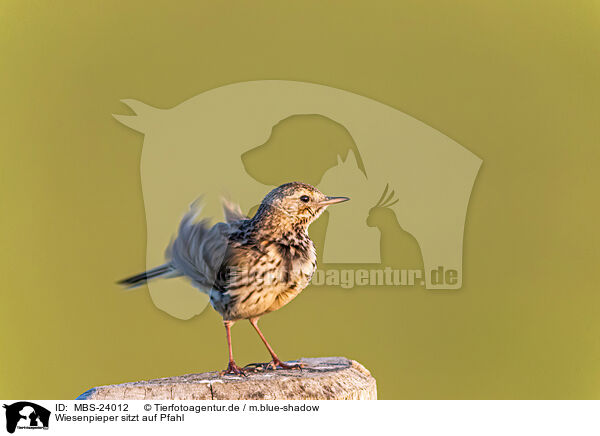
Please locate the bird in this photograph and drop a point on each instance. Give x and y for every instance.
(248, 266)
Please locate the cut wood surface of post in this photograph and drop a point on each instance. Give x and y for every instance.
(321, 378)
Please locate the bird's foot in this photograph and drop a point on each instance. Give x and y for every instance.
(276, 363)
(232, 368)
(273, 365)
(257, 367)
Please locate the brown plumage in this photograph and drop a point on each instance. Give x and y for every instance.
(248, 266)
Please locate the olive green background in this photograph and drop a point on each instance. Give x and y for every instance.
(516, 82)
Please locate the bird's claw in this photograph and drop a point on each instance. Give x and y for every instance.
(273, 365)
(232, 368)
(255, 366)
(279, 364)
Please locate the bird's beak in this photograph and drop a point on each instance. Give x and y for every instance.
(333, 200)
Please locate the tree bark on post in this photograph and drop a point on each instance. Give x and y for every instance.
(322, 378)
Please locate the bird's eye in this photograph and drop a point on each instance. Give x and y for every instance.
(304, 198)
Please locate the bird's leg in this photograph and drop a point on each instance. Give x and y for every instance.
(275, 362)
(232, 368)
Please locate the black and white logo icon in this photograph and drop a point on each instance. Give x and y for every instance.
(26, 415)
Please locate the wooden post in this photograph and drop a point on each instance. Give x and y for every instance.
(322, 378)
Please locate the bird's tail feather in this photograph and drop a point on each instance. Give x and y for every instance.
(137, 280)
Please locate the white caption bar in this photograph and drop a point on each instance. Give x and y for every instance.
(302, 417)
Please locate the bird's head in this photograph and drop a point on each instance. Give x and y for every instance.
(296, 203)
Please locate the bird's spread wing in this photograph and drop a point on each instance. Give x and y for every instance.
(198, 250)
(232, 211)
